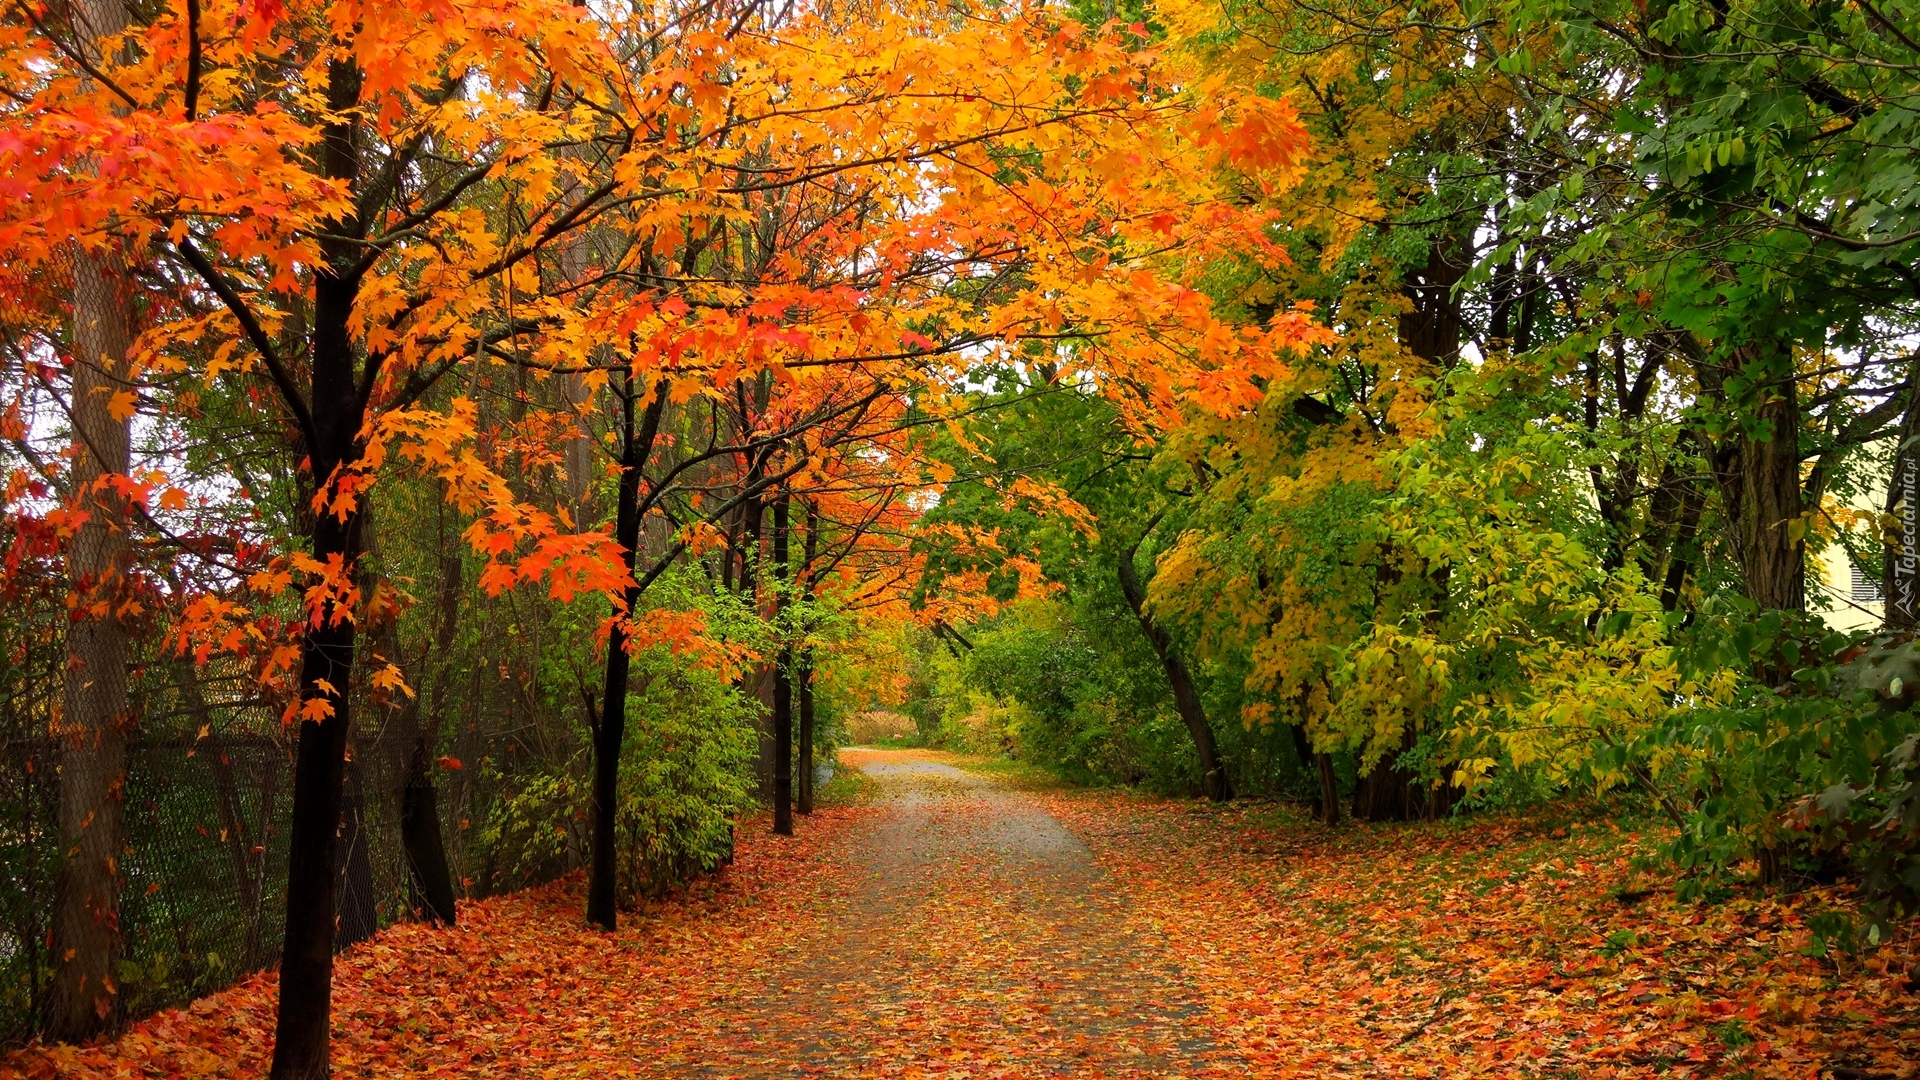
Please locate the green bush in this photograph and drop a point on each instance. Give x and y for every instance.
(536, 825)
(686, 772)
(1810, 778)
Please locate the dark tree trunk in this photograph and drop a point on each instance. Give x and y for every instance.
(429, 879)
(1329, 789)
(754, 682)
(1437, 801)
(306, 962)
(430, 891)
(1431, 327)
(804, 690)
(1386, 793)
(609, 734)
(327, 653)
(782, 688)
(300, 1049)
(423, 842)
(1321, 766)
(804, 668)
(1186, 698)
(1501, 291)
(636, 445)
(1675, 513)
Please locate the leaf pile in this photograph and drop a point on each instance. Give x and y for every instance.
(1508, 947)
(521, 988)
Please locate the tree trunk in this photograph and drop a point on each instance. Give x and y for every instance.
(324, 701)
(1322, 767)
(608, 736)
(319, 772)
(1430, 328)
(804, 688)
(1185, 698)
(1758, 473)
(90, 730)
(429, 872)
(1383, 795)
(1682, 546)
(805, 665)
(782, 687)
(1329, 789)
(306, 959)
(754, 682)
(611, 732)
(429, 879)
(1389, 792)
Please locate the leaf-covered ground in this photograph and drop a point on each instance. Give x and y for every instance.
(955, 926)
(1512, 947)
(522, 987)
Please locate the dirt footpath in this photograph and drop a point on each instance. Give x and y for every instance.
(978, 938)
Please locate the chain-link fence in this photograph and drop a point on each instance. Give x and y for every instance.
(207, 796)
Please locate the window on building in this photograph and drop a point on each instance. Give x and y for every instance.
(1866, 590)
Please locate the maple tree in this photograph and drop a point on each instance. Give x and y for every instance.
(331, 260)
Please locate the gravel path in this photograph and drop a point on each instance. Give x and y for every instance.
(979, 938)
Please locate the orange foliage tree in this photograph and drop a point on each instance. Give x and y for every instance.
(771, 243)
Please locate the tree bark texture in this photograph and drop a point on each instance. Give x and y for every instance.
(1329, 788)
(94, 720)
(429, 871)
(1321, 765)
(1431, 326)
(1757, 469)
(804, 667)
(1386, 793)
(803, 688)
(90, 730)
(359, 914)
(319, 773)
(429, 878)
(755, 681)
